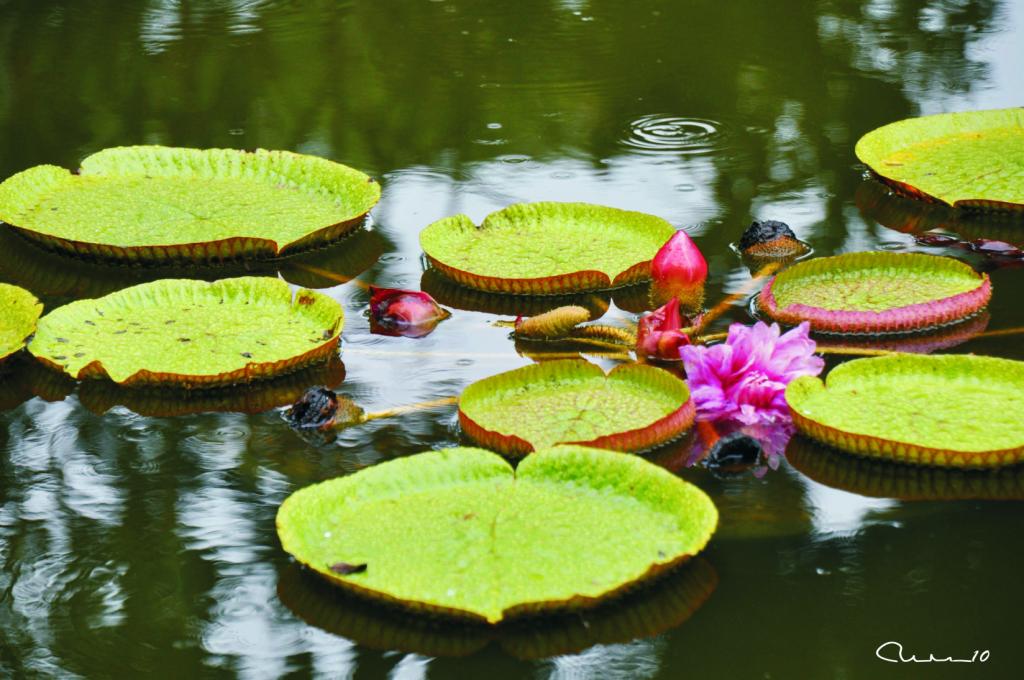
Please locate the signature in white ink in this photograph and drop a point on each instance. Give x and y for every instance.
(892, 652)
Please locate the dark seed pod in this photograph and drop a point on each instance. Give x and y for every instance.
(771, 238)
(314, 410)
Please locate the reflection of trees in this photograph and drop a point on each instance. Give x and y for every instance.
(128, 539)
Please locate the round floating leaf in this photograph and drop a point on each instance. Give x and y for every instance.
(191, 333)
(19, 312)
(547, 248)
(458, 532)
(643, 613)
(882, 479)
(876, 292)
(918, 409)
(571, 401)
(971, 159)
(158, 204)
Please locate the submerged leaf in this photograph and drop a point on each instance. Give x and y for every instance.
(473, 538)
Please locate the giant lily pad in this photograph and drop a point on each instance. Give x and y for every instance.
(191, 333)
(876, 292)
(458, 532)
(19, 312)
(571, 401)
(547, 248)
(158, 204)
(969, 159)
(918, 409)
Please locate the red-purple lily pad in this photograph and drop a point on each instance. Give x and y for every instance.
(876, 292)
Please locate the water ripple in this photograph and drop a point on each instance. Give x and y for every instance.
(658, 133)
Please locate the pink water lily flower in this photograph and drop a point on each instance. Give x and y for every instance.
(659, 334)
(745, 377)
(409, 313)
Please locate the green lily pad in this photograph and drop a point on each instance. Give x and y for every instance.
(547, 248)
(918, 409)
(571, 401)
(158, 204)
(876, 292)
(19, 312)
(191, 333)
(969, 159)
(458, 532)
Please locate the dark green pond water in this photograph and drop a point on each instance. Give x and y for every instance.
(138, 540)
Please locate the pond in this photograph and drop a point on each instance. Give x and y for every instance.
(137, 537)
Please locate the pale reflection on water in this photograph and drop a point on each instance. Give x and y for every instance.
(139, 545)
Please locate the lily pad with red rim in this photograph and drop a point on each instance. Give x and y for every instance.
(191, 333)
(972, 159)
(459, 532)
(917, 409)
(19, 313)
(571, 401)
(876, 292)
(547, 248)
(161, 204)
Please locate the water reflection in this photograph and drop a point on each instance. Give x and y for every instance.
(133, 544)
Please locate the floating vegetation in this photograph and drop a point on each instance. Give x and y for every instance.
(882, 479)
(19, 313)
(917, 409)
(191, 333)
(876, 292)
(160, 204)
(632, 408)
(547, 248)
(644, 612)
(971, 159)
(474, 539)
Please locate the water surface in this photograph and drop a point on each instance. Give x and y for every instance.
(135, 541)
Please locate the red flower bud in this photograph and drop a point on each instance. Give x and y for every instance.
(409, 313)
(679, 271)
(659, 334)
